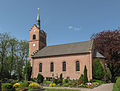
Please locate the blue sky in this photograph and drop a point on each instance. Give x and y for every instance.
(65, 21)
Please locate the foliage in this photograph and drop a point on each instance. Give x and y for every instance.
(85, 75)
(118, 83)
(13, 56)
(7, 87)
(108, 44)
(98, 71)
(100, 81)
(81, 78)
(21, 89)
(61, 77)
(115, 88)
(40, 78)
(16, 85)
(24, 84)
(34, 85)
(52, 85)
(27, 71)
(108, 75)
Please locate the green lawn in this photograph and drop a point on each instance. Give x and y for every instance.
(61, 90)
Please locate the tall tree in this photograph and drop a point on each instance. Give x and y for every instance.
(22, 57)
(108, 44)
(13, 49)
(4, 44)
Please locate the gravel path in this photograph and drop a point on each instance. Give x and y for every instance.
(103, 87)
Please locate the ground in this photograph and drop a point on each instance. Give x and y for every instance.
(103, 87)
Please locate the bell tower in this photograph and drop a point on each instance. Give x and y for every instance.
(37, 38)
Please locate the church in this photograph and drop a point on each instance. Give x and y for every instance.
(68, 59)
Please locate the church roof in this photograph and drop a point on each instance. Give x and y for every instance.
(64, 49)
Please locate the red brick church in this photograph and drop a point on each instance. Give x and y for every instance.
(68, 59)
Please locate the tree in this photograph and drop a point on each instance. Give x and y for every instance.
(40, 78)
(4, 44)
(27, 71)
(22, 57)
(13, 43)
(85, 75)
(108, 44)
(98, 71)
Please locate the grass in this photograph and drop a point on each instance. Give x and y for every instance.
(115, 88)
(61, 90)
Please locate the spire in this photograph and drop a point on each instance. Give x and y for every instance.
(38, 19)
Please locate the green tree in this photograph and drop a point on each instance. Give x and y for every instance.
(98, 71)
(85, 75)
(27, 71)
(108, 44)
(40, 78)
(4, 45)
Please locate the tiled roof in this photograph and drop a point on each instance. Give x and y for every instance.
(64, 49)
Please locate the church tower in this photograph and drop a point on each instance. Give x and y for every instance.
(37, 38)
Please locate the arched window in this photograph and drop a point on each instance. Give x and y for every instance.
(34, 37)
(64, 66)
(40, 67)
(77, 66)
(51, 67)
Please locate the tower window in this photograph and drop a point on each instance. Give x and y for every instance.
(77, 66)
(34, 37)
(40, 67)
(64, 66)
(52, 67)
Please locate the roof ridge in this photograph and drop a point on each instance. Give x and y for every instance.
(68, 43)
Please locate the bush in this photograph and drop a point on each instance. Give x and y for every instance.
(85, 75)
(7, 87)
(115, 88)
(16, 85)
(27, 71)
(34, 85)
(108, 75)
(52, 85)
(118, 83)
(81, 78)
(40, 78)
(98, 71)
(61, 77)
(24, 84)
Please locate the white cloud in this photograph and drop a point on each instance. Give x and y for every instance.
(74, 28)
(70, 27)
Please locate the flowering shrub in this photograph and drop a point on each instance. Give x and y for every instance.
(34, 85)
(95, 83)
(16, 85)
(79, 82)
(52, 85)
(88, 85)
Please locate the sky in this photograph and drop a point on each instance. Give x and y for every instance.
(64, 21)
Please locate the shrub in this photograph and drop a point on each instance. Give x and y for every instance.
(108, 75)
(27, 71)
(115, 88)
(98, 71)
(85, 75)
(81, 78)
(34, 85)
(24, 84)
(40, 78)
(118, 83)
(52, 85)
(61, 76)
(7, 87)
(16, 85)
